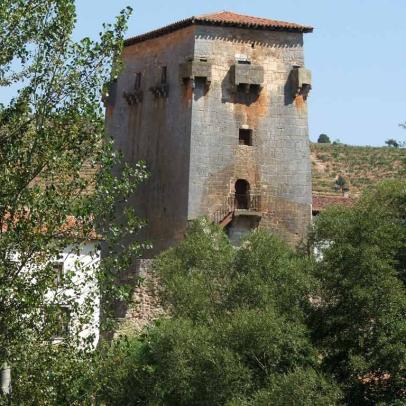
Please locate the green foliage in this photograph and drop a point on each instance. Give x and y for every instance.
(54, 375)
(360, 322)
(392, 143)
(57, 188)
(237, 327)
(194, 275)
(341, 184)
(323, 139)
(262, 325)
(301, 387)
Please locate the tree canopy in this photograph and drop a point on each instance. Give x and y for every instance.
(237, 332)
(323, 139)
(57, 185)
(263, 324)
(359, 325)
(392, 143)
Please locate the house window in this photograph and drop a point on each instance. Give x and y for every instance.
(164, 74)
(138, 80)
(57, 268)
(245, 137)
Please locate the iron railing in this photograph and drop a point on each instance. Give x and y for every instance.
(236, 201)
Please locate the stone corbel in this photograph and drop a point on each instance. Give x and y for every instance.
(302, 82)
(160, 90)
(134, 97)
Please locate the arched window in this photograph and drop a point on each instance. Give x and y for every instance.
(242, 194)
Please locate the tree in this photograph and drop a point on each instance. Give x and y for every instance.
(56, 181)
(323, 139)
(402, 144)
(236, 334)
(359, 324)
(262, 324)
(392, 143)
(341, 184)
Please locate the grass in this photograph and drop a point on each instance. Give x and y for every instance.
(360, 166)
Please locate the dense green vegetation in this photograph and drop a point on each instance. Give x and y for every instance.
(53, 130)
(363, 167)
(360, 324)
(264, 325)
(261, 324)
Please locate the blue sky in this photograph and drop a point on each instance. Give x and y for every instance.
(357, 54)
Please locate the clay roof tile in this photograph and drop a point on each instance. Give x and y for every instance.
(223, 18)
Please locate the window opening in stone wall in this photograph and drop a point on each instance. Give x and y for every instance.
(164, 73)
(242, 194)
(245, 137)
(244, 62)
(138, 80)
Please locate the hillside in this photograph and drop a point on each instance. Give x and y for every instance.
(360, 166)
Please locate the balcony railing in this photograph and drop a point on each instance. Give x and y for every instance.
(236, 201)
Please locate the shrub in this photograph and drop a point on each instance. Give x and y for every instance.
(323, 139)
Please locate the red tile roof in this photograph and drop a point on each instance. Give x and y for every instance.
(322, 202)
(224, 18)
(72, 227)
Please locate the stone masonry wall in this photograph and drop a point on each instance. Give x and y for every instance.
(145, 307)
(277, 166)
(157, 130)
(189, 139)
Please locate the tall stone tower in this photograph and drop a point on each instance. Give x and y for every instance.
(216, 107)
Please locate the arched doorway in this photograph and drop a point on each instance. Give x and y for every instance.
(242, 194)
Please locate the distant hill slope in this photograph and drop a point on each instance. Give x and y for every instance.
(361, 166)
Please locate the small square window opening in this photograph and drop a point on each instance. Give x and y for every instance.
(245, 137)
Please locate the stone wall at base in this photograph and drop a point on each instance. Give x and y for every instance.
(145, 306)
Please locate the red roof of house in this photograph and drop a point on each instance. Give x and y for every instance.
(322, 202)
(224, 18)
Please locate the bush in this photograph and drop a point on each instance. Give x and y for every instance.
(392, 143)
(360, 324)
(323, 139)
(237, 324)
(53, 375)
(301, 387)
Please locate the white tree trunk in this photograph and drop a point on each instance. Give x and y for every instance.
(5, 379)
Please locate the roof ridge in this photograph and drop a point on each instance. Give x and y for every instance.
(210, 14)
(230, 19)
(246, 16)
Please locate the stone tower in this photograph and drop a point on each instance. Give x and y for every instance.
(216, 107)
